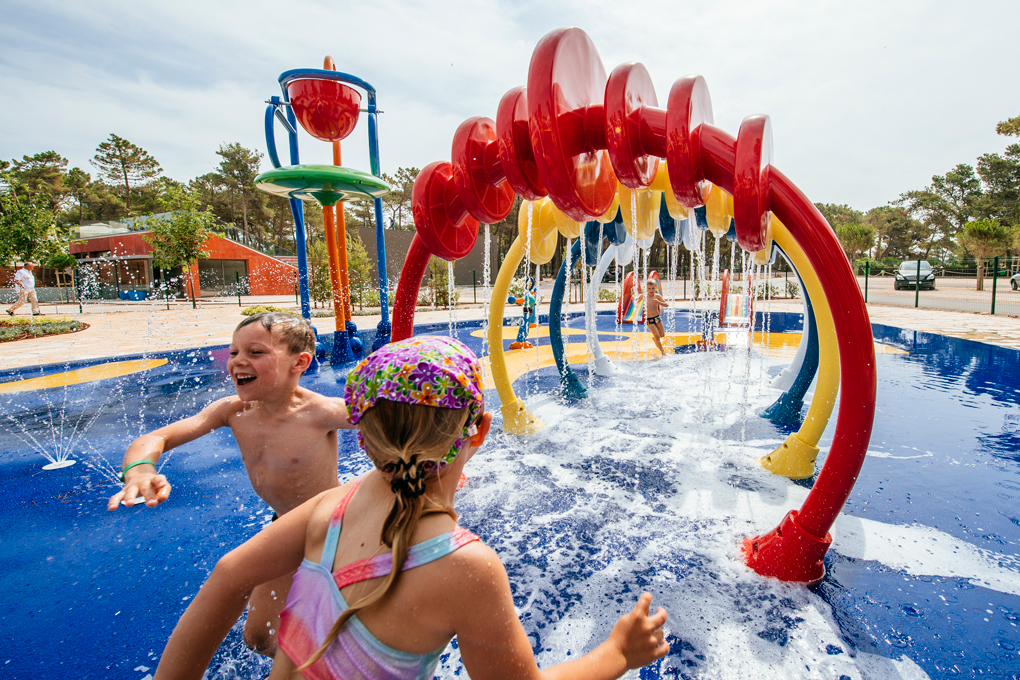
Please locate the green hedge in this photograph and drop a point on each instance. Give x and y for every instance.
(22, 327)
(259, 309)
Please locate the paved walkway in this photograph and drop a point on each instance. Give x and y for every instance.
(146, 328)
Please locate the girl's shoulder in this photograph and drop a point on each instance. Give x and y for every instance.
(328, 500)
(475, 559)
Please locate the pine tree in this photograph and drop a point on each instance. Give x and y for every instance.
(122, 162)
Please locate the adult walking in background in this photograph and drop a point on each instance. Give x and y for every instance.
(24, 286)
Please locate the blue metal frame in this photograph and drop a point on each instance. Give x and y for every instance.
(289, 121)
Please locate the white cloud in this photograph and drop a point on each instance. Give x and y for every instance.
(868, 99)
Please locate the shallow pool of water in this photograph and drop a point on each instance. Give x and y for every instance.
(649, 484)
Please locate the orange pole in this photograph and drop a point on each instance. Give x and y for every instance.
(341, 235)
(334, 270)
(341, 228)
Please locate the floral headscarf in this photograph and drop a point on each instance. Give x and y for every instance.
(427, 370)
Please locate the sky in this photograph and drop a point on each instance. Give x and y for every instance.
(867, 99)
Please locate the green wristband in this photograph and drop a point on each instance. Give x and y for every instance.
(143, 461)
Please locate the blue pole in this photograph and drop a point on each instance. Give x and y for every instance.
(297, 211)
(382, 335)
(271, 134)
(786, 410)
(572, 386)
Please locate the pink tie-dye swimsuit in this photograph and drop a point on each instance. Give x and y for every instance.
(315, 603)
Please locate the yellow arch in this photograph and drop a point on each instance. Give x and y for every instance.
(517, 419)
(796, 457)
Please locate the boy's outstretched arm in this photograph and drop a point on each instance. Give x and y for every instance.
(337, 416)
(271, 553)
(141, 479)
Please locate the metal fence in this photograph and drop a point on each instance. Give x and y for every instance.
(955, 287)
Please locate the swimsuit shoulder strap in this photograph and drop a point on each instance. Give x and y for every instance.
(333, 533)
(417, 555)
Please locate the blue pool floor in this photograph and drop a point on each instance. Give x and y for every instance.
(94, 594)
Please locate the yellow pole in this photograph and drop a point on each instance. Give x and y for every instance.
(517, 419)
(796, 457)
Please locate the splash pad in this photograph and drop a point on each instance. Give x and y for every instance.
(652, 481)
(652, 492)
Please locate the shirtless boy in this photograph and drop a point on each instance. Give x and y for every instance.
(654, 304)
(287, 436)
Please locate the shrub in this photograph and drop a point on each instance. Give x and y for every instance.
(371, 297)
(607, 295)
(792, 288)
(259, 309)
(19, 327)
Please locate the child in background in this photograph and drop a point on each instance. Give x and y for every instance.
(529, 302)
(287, 436)
(654, 304)
(385, 577)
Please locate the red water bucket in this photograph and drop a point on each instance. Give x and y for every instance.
(326, 109)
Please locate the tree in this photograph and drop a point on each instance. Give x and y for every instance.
(238, 168)
(359, 213)
(158, 195)
(855, 239)
(359, 268)
(932, 216)
(55, 254)
(178, 238)
(102, 202)
(944, 207)
(960, 188)
(983, 239)
(1001, 177)
(397, 203)
(122, 162)
(43, 175)
(25, 221)
(281, 222)
(894, 231)
(320, 287)
(439, 281)
(837, 215)
(77, 183)
(1009, 128)
(314, 226)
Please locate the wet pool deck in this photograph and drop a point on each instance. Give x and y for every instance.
(147, 329)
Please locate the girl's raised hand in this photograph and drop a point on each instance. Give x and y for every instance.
(638, 636)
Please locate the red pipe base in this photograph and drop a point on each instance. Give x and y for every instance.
(788, 552)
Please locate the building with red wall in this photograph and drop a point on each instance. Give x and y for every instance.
(124, 261)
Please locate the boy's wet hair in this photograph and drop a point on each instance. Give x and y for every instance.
(295, 331)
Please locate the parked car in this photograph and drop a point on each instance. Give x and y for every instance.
(612, 275)
(907, 275)
(1015, 281)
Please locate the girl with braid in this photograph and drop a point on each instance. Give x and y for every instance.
(385, 578)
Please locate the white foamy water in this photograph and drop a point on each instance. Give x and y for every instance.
(651, 484)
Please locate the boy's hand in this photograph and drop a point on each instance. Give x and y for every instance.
(154, 488)
(638, 636)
